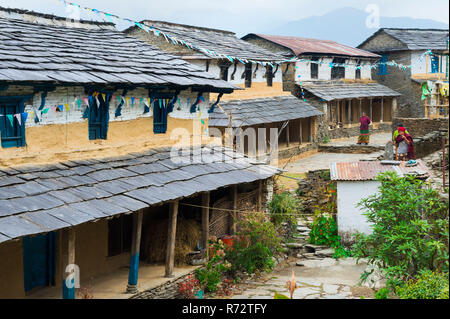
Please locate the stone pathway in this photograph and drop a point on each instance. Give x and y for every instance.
(379, 139)
(317, 275)
(323, 160)
(326, 278)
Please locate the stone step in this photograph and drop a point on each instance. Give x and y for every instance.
(314, 248)
(329, 252)
(295, 245)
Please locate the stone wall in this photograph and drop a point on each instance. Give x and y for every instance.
(353, 131)
(296, 150)
(168, 290)
(428, 143)
(418, 127)
(313, 194)
(409, 103)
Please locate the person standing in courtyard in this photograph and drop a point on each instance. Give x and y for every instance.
(405, 143)
(364, 132)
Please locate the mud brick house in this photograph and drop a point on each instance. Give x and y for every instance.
(410, 47)
(336, 79)
(260, 77)
(88, 167)
(260, 115)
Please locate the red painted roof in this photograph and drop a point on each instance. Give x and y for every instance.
(369, 170)
(304, 45)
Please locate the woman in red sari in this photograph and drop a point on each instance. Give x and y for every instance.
(364, 133)
(405, 145)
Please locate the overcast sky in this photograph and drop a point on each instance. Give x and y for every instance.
(240, 16)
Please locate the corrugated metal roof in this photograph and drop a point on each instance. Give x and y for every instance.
(43, 198)
(338, 91)
(369, 170)
(301, 46)
(32, 52)
(263, 110)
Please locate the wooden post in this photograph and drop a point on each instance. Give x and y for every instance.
(171, 237)
(68, 258)
(338, 113)
(370, 110)
(300, 140)
(360, 108)
(382, 110)
(260, 191)
(234, 200)
(205, 222)
(135, 250)
(287, 135)
(349, 111)
(311, 129)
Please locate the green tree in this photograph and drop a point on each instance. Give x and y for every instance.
(410, 225)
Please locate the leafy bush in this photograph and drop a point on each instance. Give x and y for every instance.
(211, 275)
(428, 285)
(256, 245)
(251, 259)
(383, 293)
(410, 229)
(284, 208)
(324, 232)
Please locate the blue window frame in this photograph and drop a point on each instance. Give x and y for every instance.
(160, 116)
(434, 64)
(98, 117)
(382, 66)
(12, 134)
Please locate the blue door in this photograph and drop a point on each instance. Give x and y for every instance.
(39, 260)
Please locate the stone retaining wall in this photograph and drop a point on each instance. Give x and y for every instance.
(296, 150)
(428, 144)
(353, 131)
(313, 192)
(350, 149)
(168, 290)
(420, 126)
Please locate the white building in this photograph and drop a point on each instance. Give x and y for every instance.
(356, 181)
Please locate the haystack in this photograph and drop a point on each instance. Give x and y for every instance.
(155, 242)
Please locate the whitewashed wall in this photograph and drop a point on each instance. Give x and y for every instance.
(70, 95)
(419, 63)
(214, 69)
(350, 218)
(303, 69)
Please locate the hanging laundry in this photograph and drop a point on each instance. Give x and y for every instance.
(444, 89)
(425, 91)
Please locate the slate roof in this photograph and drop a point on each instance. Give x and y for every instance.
(223, 42)
(300, 46)
(414, 39)
(339, 91)
(38, 199)
(31, 52)
(369, 170)
(260, 111)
